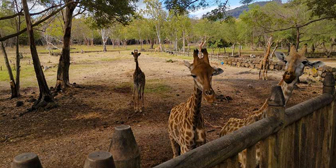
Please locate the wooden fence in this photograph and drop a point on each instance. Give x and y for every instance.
(299, 136)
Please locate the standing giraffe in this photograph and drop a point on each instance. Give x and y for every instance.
(139, 85)
(265, 62)
(295, 63)
(185, 124)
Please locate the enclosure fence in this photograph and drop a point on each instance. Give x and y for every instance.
(299, 136)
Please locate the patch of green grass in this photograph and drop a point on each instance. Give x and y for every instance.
(169, 56)
(26, 72)
(111, 59)
(157, 88)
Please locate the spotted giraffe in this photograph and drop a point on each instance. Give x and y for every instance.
(295, 63)
(139, 84)
(265, 61)
(185, 124)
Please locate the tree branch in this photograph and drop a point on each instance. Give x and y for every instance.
(35, 24)
(300, 26)
(32, 14)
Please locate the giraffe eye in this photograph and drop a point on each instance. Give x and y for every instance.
(194, 76)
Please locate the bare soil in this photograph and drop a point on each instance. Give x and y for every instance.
(85, 119)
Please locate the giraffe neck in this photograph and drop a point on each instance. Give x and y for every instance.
(287, 89)
(195, 111)
(196, 102)
(137, 68)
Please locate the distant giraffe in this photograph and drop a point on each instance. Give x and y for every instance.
(295, 64)
(139, 84)
(157, 49)
(185, 125)
(265, 62)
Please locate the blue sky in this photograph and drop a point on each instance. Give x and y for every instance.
(212, 5)
(232, 4)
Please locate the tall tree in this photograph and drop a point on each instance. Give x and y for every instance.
(158, 15)
(45, 98)
(104, 12)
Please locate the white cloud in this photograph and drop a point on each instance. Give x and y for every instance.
(140, 5)
(199, 13)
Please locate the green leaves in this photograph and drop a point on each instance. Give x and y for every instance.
(107, 12)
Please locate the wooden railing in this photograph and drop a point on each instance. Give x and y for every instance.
(300, 136)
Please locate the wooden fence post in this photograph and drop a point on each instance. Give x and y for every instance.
(329, 87)
(272, 147)
(124, 148)
(26, 160)
(99, 159)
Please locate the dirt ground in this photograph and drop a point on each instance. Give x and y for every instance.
(85, 119)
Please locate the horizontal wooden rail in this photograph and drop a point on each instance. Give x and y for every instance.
(217, 151)
(221, 149)
(303, 109)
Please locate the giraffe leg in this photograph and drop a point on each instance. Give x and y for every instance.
(262, 65)
(134, 100)
(242, 158)
(264, 70)
(138, 100)
(175, 147)
(142, 99)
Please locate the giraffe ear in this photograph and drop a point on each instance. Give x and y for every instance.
(139, 54)
(217, 71)
(315, 65)
(132, 53)
(281, 56)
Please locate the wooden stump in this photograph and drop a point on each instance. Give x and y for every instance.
(99, 159)
(124, 148)
(26, 160)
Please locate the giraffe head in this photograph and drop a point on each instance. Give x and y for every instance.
(202, 73)
(136, 54)
(295, 63)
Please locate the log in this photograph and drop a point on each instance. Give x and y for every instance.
(99, 159)
(26, 160)
(124, 148)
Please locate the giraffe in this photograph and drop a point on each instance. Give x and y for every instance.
(265, 61)
(157, 49)
(185, 124)
(139, 84)
(295, 63)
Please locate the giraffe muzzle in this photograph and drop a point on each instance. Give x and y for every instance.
(289, 77)
(209, 92)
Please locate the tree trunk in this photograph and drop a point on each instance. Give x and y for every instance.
(233, 48)
(104, 44)
(45, 99)
(152, 43)
(141, 42)
(11, 77)
(112, 43)
(297, 38)
(239, 50)
(183, 48)
(62, 81)
(18, 57)
(313, 48)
